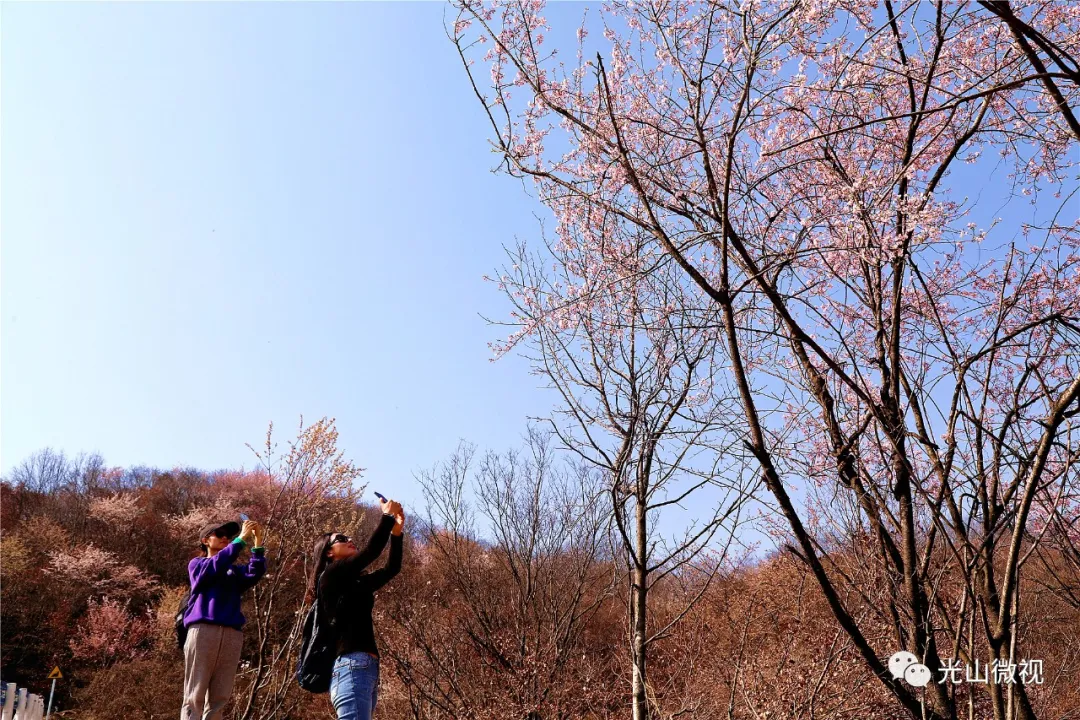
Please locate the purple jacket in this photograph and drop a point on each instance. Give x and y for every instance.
(216, 585)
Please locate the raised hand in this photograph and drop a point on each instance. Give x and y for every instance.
(247, 532)
(258, 533)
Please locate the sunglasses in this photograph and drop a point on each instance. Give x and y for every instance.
(339, 539)
(223, 535)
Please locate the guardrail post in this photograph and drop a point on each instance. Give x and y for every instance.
(9, 703)
(20, 704)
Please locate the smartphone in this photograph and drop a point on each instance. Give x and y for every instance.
(380, 496)
(244, 518)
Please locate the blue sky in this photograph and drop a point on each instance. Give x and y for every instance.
(217, 215)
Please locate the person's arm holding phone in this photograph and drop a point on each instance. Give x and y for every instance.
(377, 542)
(256, 566)
(376, 579)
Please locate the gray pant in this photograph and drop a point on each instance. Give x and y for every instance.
(211, 654)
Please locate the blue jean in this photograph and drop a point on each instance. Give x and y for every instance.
(354, 686)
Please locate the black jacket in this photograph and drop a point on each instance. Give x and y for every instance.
(347, 590)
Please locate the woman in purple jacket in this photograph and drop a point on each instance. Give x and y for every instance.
(213, 618)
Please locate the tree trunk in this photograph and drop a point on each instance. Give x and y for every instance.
(639, 602)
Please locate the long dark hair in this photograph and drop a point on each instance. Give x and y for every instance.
(321, 561)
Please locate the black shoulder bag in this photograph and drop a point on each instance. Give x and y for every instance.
(318, 651)
(181, 630)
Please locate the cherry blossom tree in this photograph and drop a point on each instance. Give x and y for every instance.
(95, 573)
(815, 173)
(309, 488)
(118, 509)
(110, 632)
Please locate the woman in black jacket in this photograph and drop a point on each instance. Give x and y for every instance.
(346, 593)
